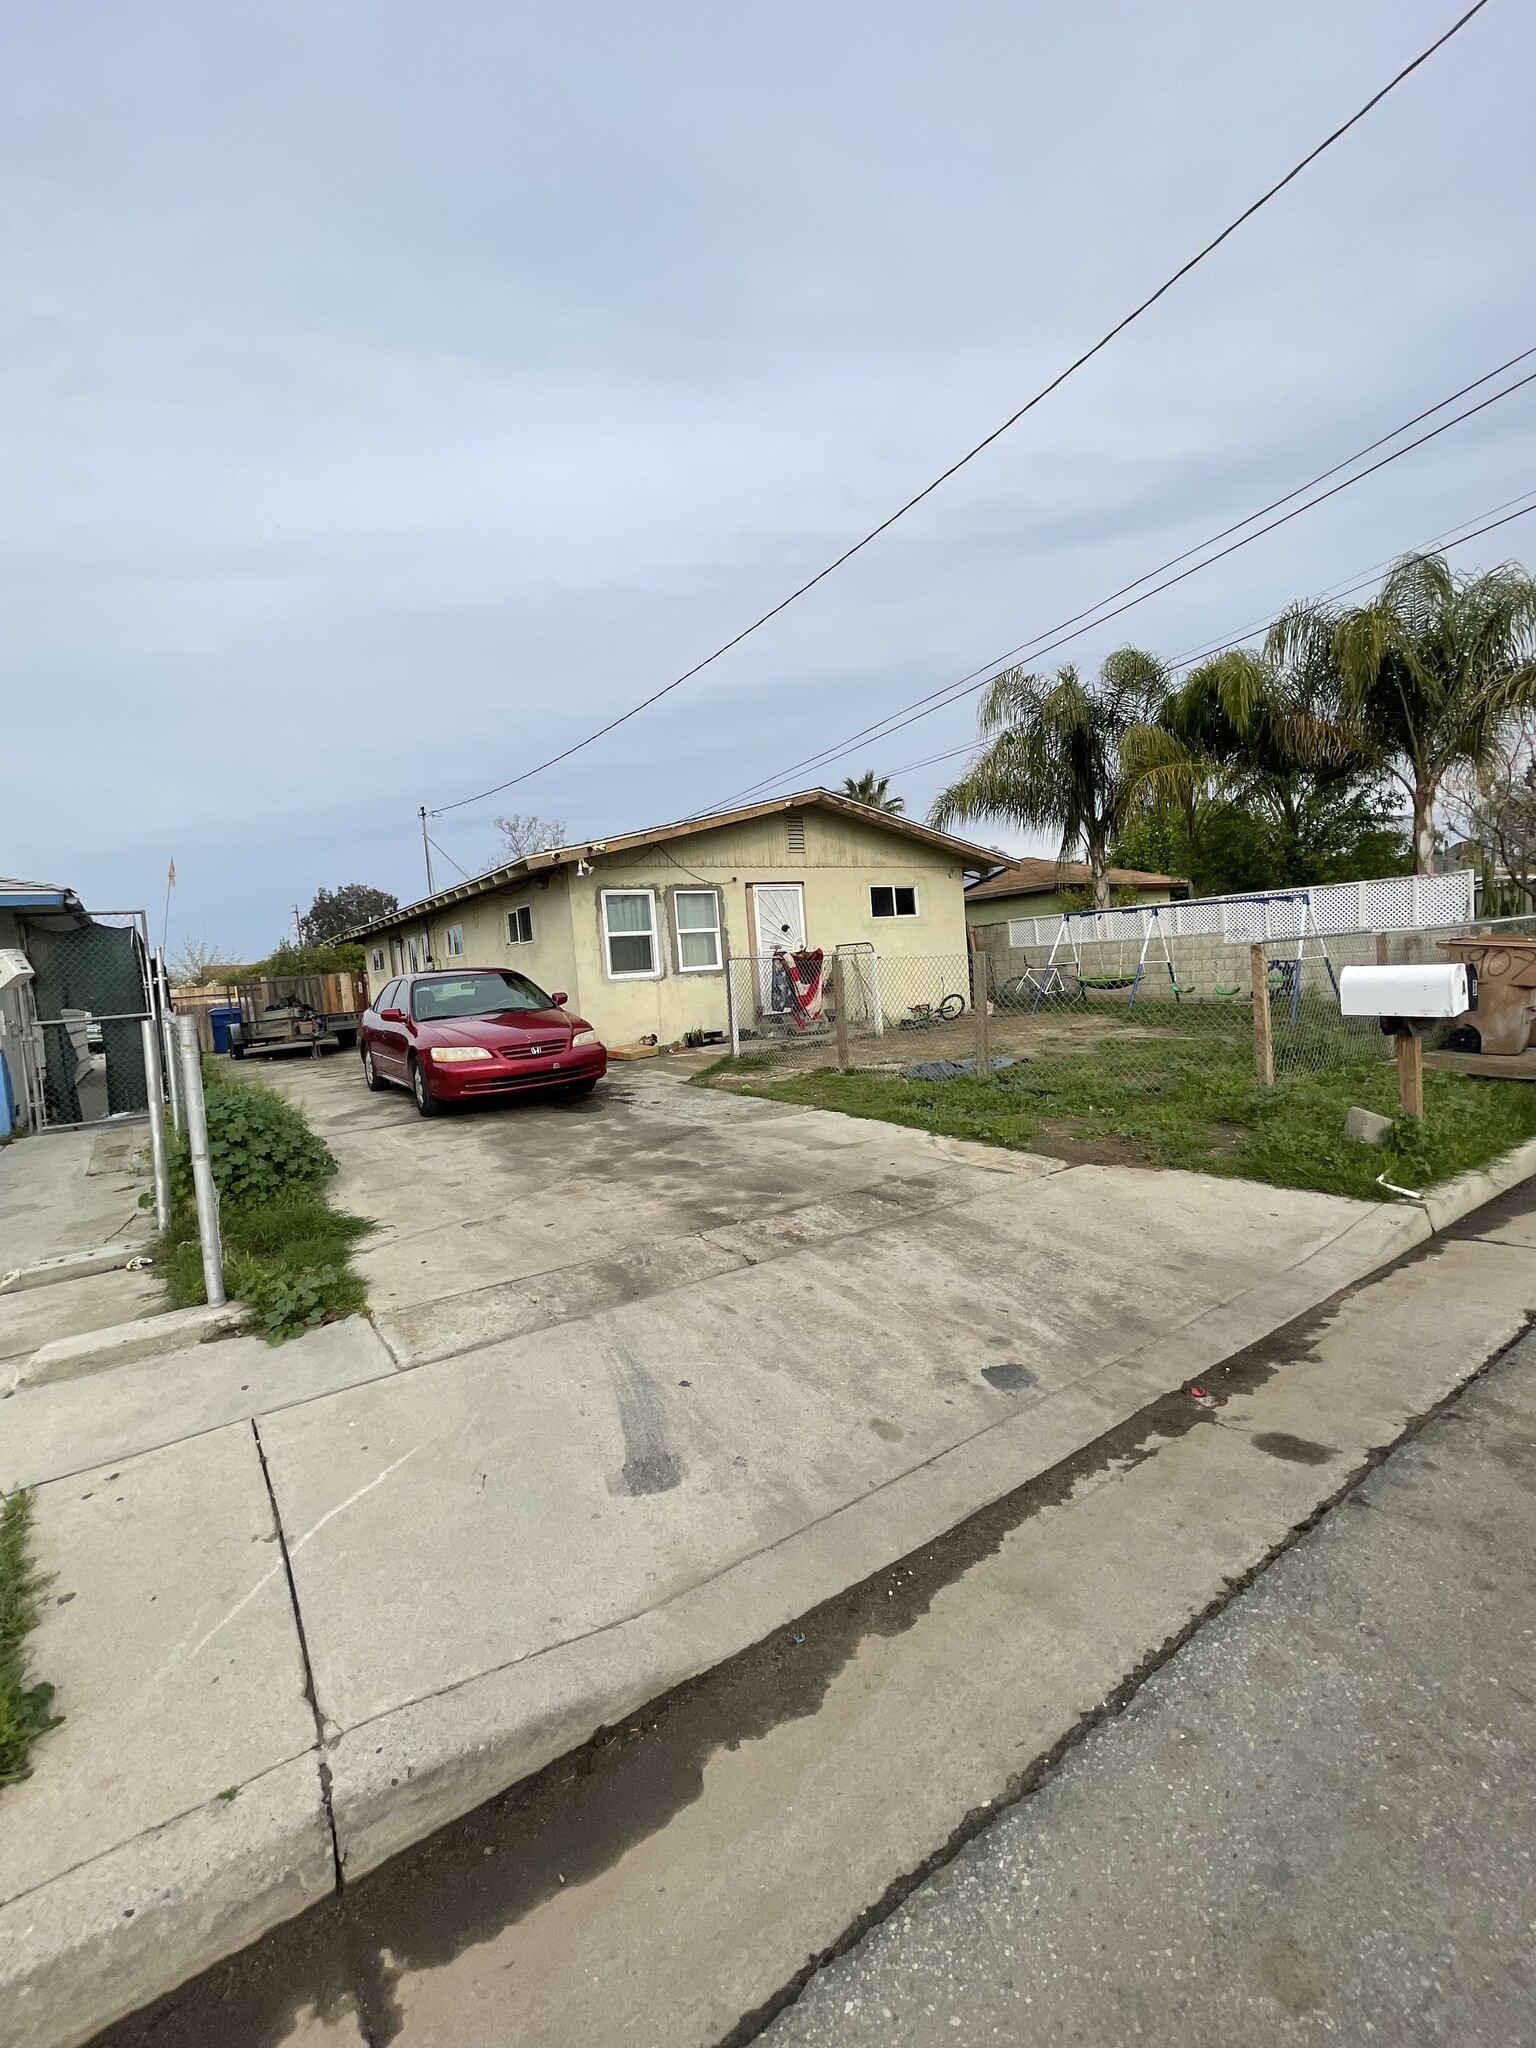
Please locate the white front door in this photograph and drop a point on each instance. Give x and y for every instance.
(778, 926)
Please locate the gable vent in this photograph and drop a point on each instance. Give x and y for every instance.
(794, 831)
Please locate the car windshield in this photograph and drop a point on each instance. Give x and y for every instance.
(476, 995)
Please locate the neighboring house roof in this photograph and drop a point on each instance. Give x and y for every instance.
(1034, 877)
(17, 895)
(46, 904)
(965, 851)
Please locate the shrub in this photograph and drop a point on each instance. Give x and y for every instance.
(259, 1147)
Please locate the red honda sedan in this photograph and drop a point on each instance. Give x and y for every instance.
(476, 1031)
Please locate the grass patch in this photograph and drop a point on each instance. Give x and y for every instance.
(1192, 1103)
(285, 1250)
(26, 1711)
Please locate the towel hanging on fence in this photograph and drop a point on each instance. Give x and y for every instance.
(797, 986)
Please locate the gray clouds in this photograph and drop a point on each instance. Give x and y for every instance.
(391, 393)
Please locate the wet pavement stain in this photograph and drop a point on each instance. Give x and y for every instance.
(1009, 1378)
(1295, 1450)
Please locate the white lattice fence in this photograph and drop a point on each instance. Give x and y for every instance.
(1394, 903)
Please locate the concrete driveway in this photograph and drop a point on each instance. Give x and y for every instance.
(650, 1376)
(677, 1364)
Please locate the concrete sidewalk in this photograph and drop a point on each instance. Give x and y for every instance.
(314, 1603)
(72, 1191)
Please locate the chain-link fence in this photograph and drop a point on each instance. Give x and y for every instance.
(82, 1051)
(1148, 1010)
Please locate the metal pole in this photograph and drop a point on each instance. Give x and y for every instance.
(162, 1008)
(426, 847)
(206, 1194)
(155, 1078)
(730, 1008)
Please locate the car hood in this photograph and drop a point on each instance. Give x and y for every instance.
(505, 1025)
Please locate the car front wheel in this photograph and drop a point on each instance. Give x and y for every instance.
(374, 1079)
(427, 1103)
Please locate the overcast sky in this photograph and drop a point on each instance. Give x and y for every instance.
(392, 393)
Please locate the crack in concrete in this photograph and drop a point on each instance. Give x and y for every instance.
(324, 1769)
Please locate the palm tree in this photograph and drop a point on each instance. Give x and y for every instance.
(870, 788)
(1433, 670)
(1267, 732)
(1053, 755)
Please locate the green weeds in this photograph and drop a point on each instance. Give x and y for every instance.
(25, 1710)
(285, 1251)
(1191, 1103)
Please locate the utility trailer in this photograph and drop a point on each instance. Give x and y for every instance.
(294, 1010)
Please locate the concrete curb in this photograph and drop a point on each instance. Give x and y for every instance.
(106, 1258)
(1454, 1199)
(70, 1358)
(117, 1931)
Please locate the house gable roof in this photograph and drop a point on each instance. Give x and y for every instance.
(964, 851)
(1034, 877)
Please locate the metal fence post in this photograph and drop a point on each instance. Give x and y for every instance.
(1263, 1023)
(840, 1017)
(167, 1026)
(207, 1195)
(157, 1150)
(980, 980)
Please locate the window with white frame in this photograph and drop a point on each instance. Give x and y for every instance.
(397, 956)
(410, 947)
(520, 926)
(455, 941)
(376, 960)
(698, 929)
(629, 934)
(884, 902)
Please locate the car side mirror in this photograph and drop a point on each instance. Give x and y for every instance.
(392, 1016)
(560, 996)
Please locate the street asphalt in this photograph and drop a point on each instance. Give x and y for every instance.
(1316, 1823)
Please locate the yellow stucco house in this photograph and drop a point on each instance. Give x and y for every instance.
(638, 928)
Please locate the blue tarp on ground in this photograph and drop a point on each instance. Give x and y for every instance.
(947, 1070)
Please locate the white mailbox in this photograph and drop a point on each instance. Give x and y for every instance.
(15, 968)
(1411, 993)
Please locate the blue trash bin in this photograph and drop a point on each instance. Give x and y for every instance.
(219, 1021)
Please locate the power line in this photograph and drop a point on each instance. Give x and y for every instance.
(1451, 538)
(937, 700)
(948, 691)
(997, 432)
(1440, 543)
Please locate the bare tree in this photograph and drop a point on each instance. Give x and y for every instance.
(196, 961)
(522, 834)
(1492, 806)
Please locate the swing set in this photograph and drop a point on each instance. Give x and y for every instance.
(1088, 926)
(1122, 975)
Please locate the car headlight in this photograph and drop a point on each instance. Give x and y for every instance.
(583, 1038)
(450, 1055)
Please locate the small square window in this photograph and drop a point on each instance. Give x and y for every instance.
(456, 940)
(629, 933)
(698, 930)
(376, 960)
(520, 926)
(885, 902)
